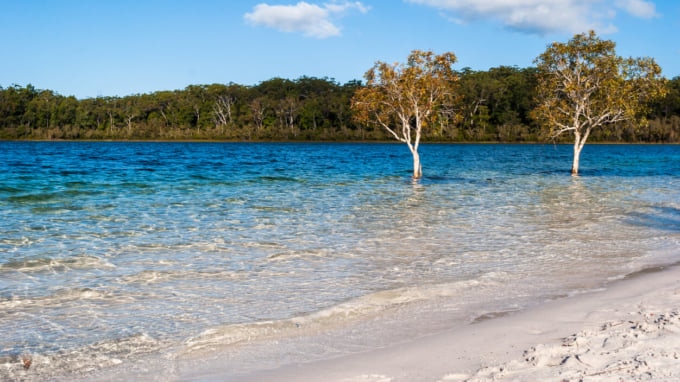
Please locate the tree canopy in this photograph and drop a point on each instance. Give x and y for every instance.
(583, 85)
(494, 105)
(405, 98)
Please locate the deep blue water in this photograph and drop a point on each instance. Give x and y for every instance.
(113, 251)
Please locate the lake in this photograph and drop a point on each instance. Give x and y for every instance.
(155, 256)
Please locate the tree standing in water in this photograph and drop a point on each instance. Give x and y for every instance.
(405, 98)
(584, 85)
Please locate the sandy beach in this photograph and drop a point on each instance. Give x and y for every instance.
(629, 331)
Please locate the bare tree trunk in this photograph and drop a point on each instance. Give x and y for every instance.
(110, 123)
(129, 123)
(577, 154)
(258, 114)
(290, 108)
(197, 114)
(417, 168)
(578, 146)
(579, 142)
(222, 111)
(165, 117)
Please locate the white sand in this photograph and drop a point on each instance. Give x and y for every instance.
(629, 332)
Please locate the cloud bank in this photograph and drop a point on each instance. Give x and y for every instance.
(544, 16)
(310, 19)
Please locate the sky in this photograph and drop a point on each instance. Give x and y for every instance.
(92, 48)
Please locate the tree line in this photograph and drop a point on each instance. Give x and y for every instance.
(491, 106)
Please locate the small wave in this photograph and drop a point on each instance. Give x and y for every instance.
(263, 244)
(148, 277)
(278, 179)
(342, 314)
(78, 192)
(282, 209)
(73, 172)
(295, 255)
(65, 363)
(56, 210)
(59, 298)
(136, 185)
(153, 277)
(239, 200)
(39, 264)
(10, 190)
(35, 198)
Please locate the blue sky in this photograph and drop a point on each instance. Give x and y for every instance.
(90, 48)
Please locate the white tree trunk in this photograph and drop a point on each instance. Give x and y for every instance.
(574, 166)
(578, 146)
(417, 169)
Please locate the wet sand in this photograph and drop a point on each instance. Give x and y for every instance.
(630, 331)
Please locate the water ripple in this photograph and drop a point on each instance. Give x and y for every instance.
(107, 246)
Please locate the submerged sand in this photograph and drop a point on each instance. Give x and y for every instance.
(629, 331)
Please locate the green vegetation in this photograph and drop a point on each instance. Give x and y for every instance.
(492, 106)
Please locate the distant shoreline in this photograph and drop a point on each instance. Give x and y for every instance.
(332, 142)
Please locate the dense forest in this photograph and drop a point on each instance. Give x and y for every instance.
(494, 106)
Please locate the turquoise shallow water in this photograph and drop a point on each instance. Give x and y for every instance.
(114, 251)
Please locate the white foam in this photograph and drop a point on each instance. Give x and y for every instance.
(360, 308)
(73, 362)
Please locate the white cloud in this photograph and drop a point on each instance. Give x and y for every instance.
(638, 8)
(342, 7)
(310, 19)
(544, 16)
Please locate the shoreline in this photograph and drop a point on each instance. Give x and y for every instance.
(388, 141)
(633, 326)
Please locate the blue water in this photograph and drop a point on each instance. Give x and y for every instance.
(111, 252)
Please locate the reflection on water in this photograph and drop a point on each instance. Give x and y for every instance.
(114, 251)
